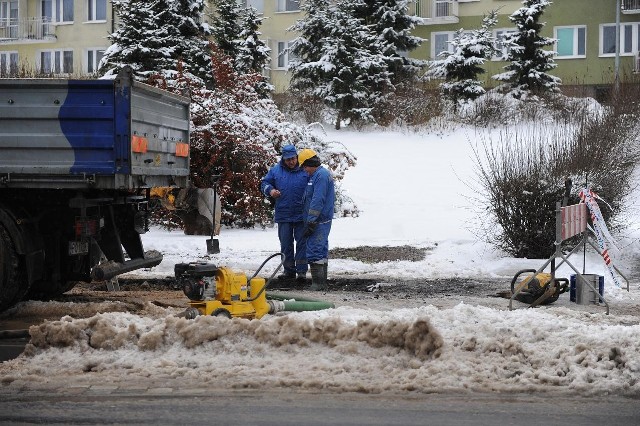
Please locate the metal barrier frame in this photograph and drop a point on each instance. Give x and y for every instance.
(560, 237)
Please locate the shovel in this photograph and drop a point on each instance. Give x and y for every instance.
(213, 245)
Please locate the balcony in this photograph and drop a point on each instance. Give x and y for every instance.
(26, 30)
(436, 11)
(630, 6)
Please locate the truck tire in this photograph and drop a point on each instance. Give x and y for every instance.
(13, 285)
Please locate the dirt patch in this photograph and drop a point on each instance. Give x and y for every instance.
(370, 254)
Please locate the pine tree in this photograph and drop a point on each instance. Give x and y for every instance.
(155, 38)
(253, 53)
(390, 21)
(189, 38)
(307, 47)
(527, 72)
(353, 79)
(225, 26)
(461, 67)
(135, 42)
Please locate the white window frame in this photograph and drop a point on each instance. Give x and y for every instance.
(498, 35)
(57, 11)
(575, 54)
(9, 59)
(57, 62)
(285, 6)
(92, 10)
(627, 47)
(449, 34)
(94, 61)
(6, 12)
(282, 55)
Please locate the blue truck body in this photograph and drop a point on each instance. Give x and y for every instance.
(78, 133)
(78, 159)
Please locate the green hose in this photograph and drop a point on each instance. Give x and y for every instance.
(290, 296)
(296, 306)
(297, 303)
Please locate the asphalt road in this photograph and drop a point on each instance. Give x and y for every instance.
(208, 406)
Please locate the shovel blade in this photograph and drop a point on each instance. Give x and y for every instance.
(213, 246)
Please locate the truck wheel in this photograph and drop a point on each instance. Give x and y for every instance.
(13, 286)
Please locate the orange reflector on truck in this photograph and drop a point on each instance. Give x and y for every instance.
(139, 144)
(182, 150)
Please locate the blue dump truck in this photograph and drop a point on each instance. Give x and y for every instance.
(77, 161)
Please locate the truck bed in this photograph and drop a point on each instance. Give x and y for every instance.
(104, 134)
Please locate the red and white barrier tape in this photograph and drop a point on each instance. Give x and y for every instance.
(600, 229)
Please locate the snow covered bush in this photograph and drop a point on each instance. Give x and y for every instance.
(522, 174)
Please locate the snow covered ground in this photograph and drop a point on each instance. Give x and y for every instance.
(412, 189)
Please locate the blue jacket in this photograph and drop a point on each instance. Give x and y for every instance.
(291, 184)
(319, 197)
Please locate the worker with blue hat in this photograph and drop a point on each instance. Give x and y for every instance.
(285, 183)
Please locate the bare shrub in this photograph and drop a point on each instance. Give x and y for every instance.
(411, 105)
(488, 110)
(522, 177)
(301, 107)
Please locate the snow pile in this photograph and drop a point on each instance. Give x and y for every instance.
(426, 349)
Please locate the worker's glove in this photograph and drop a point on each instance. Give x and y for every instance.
(310, 229)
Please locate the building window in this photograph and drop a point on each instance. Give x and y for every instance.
(258, 5)
(8, 64)
(500, 35)
(8, 12)
(629, 39)
(94, 56)
(288, 6)
(571, 42)
(56, 61)
(441, 43)
(57, 10)
(96, 10)
(284, 55)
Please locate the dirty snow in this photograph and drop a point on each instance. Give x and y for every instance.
(413, 189)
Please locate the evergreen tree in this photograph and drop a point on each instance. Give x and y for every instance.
(307, 47)
(225, 26)
(352, 78)
(253, 53)
(156, 39)
(135, 42)
(190, 38)
(390, 21)
(527, 72)
(461, 67)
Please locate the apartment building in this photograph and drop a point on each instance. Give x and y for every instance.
(60, 37)
(68, 37)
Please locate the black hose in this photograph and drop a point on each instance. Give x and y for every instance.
(270, 278)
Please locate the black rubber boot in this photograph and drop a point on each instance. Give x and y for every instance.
(287, 276)
(318, 277)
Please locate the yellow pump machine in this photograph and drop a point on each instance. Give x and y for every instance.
(219, 291)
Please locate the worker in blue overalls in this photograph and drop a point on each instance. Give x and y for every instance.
(319, 198)
(285, 183)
